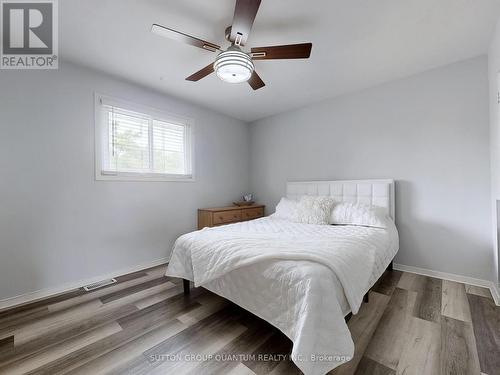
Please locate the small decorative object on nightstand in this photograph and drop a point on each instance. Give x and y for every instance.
(212, 217)
(243, 203)
(247, 200)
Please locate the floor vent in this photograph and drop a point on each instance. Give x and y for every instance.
(99, 284)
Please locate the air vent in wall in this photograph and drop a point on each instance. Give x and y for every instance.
(99, 284)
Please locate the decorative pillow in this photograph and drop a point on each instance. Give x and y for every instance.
(314, 210)
(349, 213)
(285, 209)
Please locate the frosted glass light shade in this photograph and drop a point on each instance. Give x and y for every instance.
(233, 66)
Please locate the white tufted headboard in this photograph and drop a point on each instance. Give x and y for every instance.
(378, 193)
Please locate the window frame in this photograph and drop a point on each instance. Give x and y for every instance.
(156, 114)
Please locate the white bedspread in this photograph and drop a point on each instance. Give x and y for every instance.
(310, 270)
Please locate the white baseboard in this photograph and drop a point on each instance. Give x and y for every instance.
(495, 292)
(453, 277)
(44, 293)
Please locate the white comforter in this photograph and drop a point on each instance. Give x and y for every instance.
(311, 271)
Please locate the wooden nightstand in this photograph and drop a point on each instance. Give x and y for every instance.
(212, 217)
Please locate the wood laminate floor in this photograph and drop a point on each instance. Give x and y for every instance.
(142, 324)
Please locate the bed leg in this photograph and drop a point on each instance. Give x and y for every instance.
(391, 266)
(185, 283)
(366, 298)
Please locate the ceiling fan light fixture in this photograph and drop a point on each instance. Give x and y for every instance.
(234, 65)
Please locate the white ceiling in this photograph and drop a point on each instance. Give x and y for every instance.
(356, 44)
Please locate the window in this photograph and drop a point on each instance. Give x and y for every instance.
(134, 143)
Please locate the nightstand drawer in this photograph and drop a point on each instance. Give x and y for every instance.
(252, 213)
(211, 217)
(222, 217)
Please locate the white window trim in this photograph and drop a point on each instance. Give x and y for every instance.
(137, 176)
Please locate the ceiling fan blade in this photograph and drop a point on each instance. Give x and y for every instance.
(244, 15)
(202, 73)
(255, 81)
(181, 37)
(289, 51)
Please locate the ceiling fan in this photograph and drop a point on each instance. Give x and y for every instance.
(234, 65)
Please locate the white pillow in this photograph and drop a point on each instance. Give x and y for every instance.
(285, 209)
(314, 210)
(349, 213)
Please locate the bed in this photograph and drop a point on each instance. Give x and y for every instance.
(302, 278)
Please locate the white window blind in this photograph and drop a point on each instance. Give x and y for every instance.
(137, 143)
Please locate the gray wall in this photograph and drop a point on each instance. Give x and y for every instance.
(430, 132)
(57, 224)
(494, 69)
